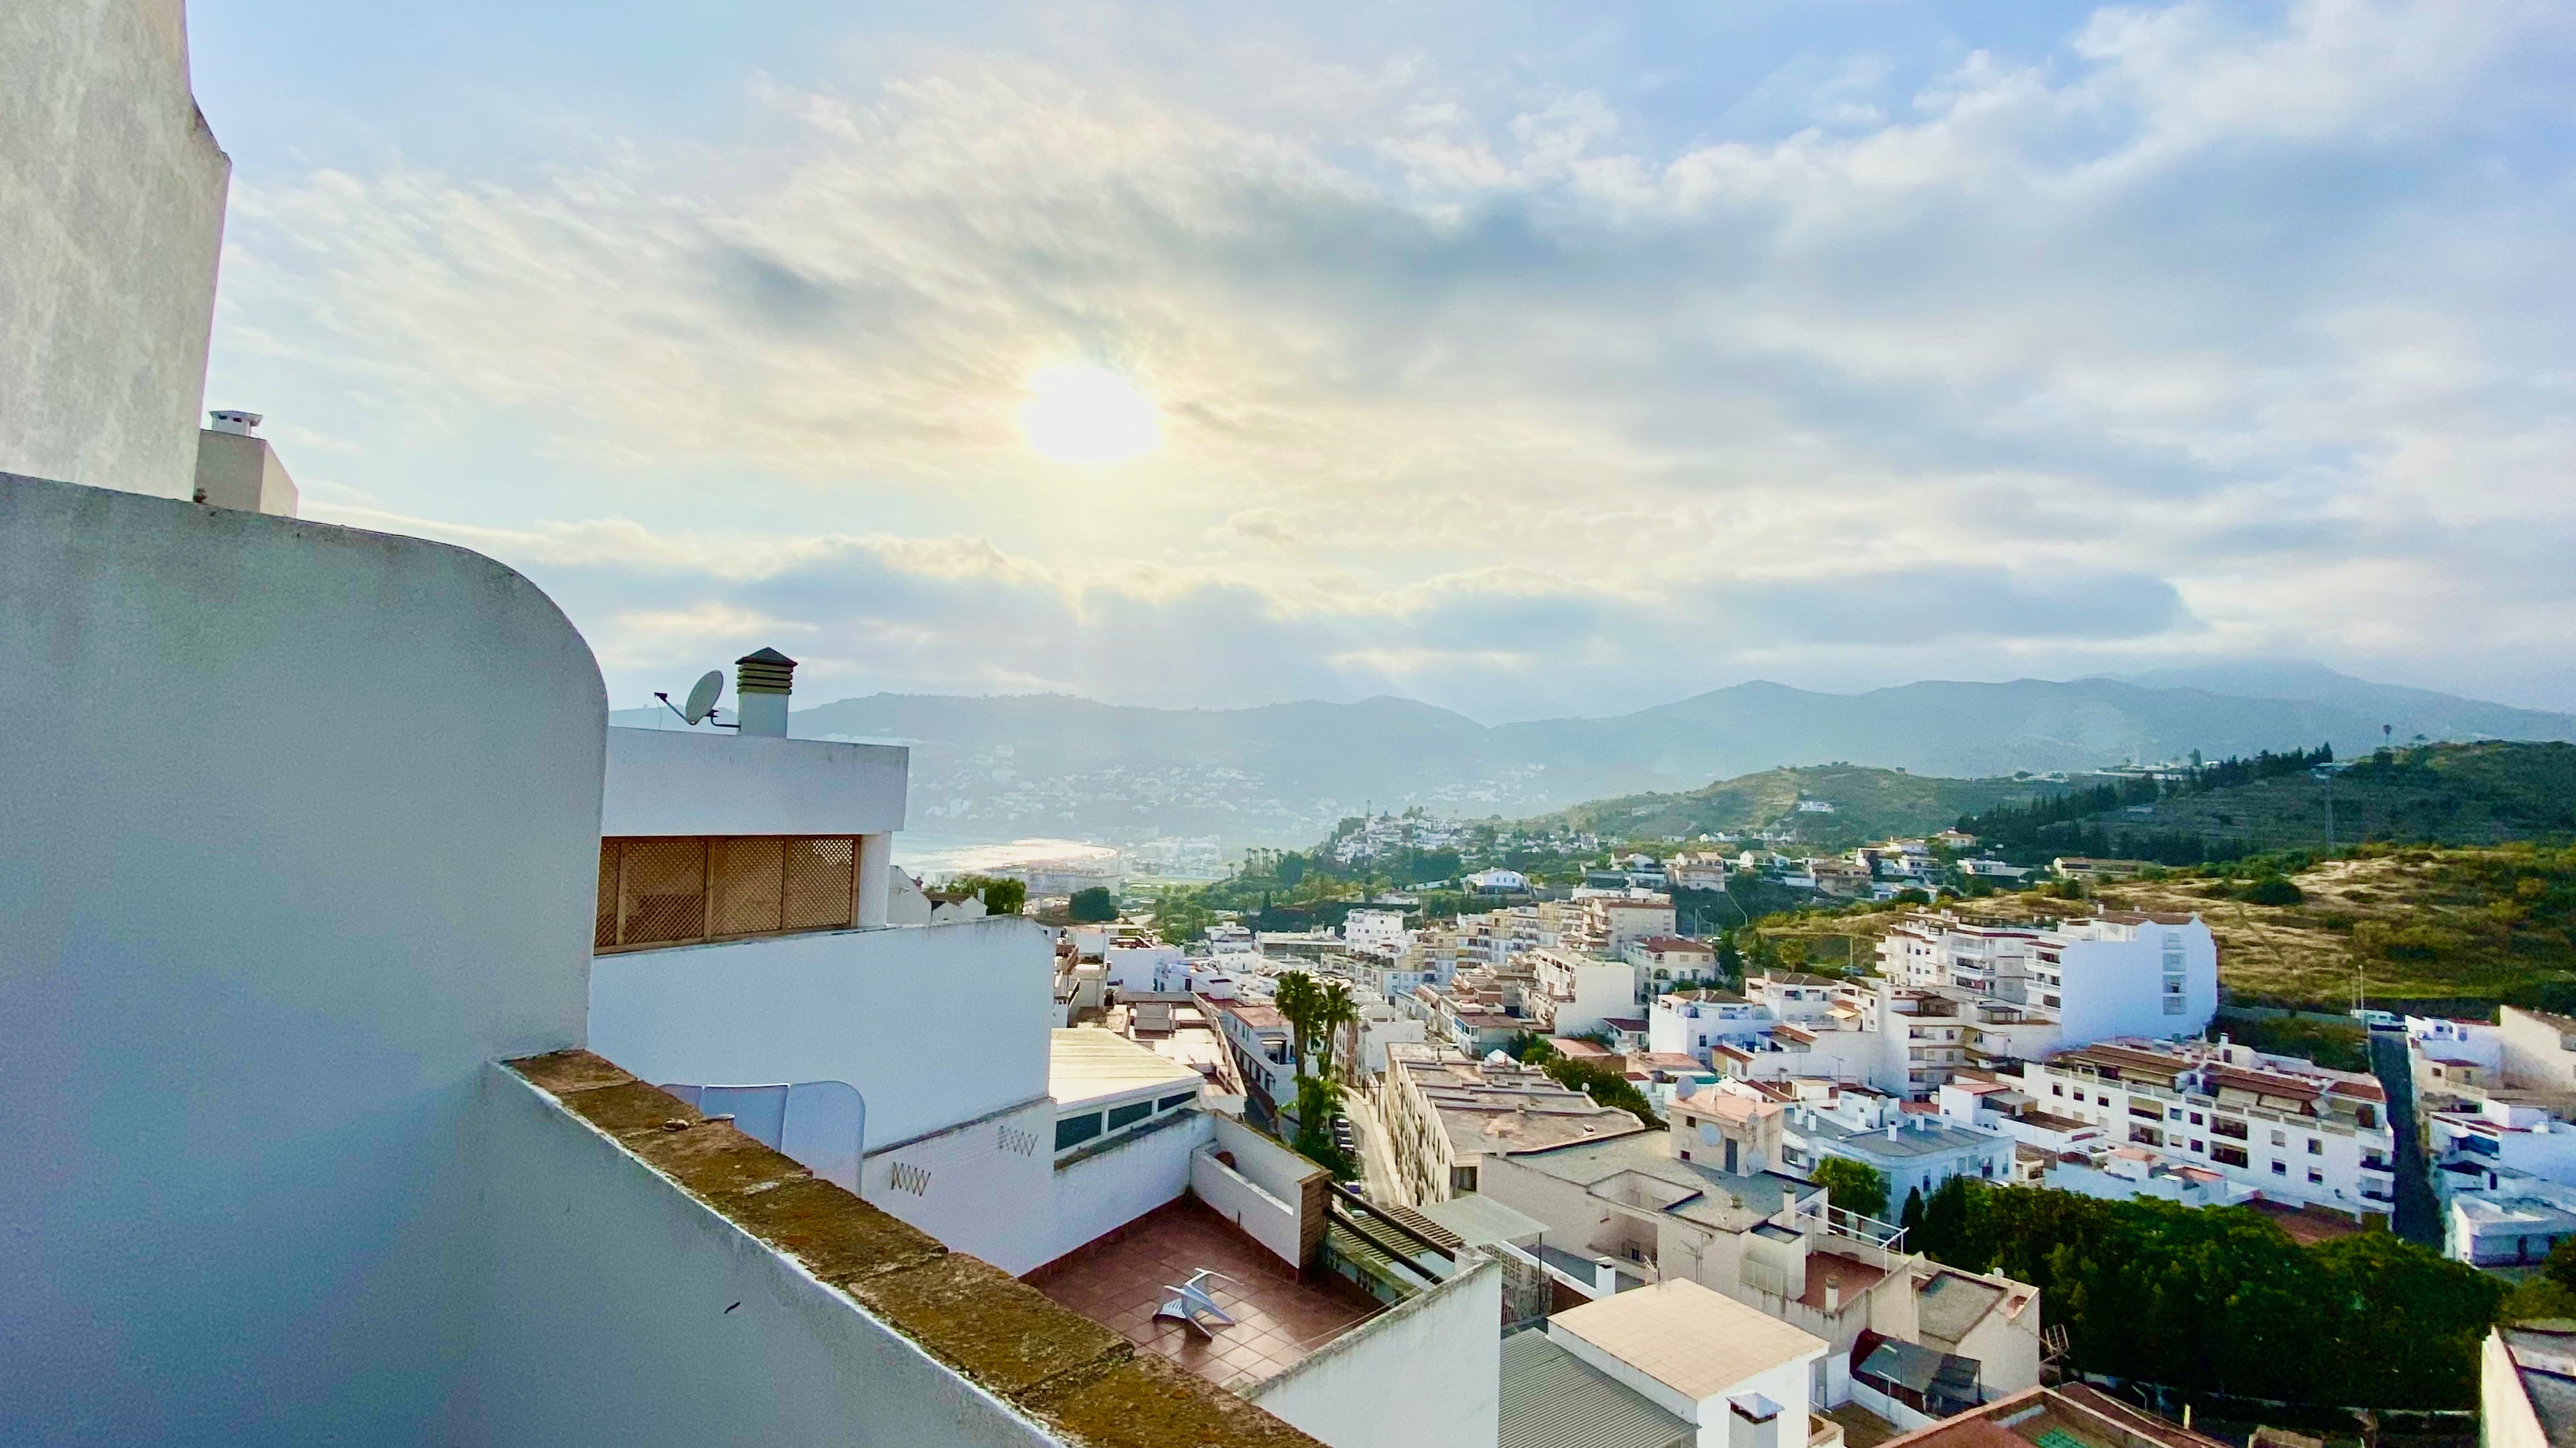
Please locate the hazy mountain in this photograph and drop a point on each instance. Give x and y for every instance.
(1283, 774)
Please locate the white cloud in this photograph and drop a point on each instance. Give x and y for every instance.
(2201, 332)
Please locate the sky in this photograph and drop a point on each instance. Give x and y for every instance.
(1526, 359)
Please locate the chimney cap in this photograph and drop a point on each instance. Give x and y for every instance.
(766, 656)
(235, 421)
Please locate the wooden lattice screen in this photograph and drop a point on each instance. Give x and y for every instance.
(660, 891)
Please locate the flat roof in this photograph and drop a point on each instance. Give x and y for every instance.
(2544, 1358)
(1951, 1303)
(1089, 1063)
(1692, 1339)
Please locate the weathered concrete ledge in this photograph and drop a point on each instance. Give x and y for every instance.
(1084, 1383)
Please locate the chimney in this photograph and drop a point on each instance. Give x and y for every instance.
(1752, 1421)
(235, 421)
(761, 684)
(1833, 1294)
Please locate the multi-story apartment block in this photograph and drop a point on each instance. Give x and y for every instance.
(1578, 994)
(1375, 933)
(2288, 1129)
(1446, 1113)
(2118, 974)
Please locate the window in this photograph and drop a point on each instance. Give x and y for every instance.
(1129, 1114)
(2056, 1090)
(2316, 1147)
(2196, 1146)
(2195, 1118)
(2105, 1100)
(2280, 1138)
(2225, 1155)
(1462, 1178)
(1075, 1130)
(2228, 1126)
(1168, 1102)
(2280, 1168)
(2316, 1177)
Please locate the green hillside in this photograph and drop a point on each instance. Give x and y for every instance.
(2446, 794)
(1868, 804)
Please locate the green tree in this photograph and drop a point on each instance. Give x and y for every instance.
(1944, 1228)
(1001, 897)
(1334, 1010)
(1854, 1186)
(1605, 1086)
(1296, 998)
(1911, 1219)
(1095, 905)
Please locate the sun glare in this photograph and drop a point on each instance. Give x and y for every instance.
(1086, 416)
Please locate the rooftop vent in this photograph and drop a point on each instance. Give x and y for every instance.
(236, 422)
(761, 683)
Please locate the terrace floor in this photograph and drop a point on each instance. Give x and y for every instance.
(1118, 1281)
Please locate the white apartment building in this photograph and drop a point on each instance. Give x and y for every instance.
(1446, 1114)
(1379, 933)
(2119, 974)
(1666, 961)
(1694, 1023)
(2452, 1059)
(1578, 994)
(2292, 1131)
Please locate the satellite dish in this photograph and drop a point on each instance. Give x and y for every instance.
(702, 699)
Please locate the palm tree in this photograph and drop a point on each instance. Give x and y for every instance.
(1296, 999)
(1333, 1010)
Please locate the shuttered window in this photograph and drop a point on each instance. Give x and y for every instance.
(676, 891)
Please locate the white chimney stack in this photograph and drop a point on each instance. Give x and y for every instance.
(1752, 1421)
(761, 683)
(236, 422)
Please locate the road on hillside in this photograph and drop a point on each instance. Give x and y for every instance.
(2418, 1216)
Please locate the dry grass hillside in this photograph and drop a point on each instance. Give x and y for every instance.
(2465, 925)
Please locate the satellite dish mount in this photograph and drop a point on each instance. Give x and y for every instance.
(702, 701)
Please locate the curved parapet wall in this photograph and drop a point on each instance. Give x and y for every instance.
(301, 832)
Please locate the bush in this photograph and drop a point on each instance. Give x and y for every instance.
(2273, 890)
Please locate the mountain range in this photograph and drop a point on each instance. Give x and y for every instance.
(1282, 774)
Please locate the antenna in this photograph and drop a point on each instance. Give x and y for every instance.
(702, 700)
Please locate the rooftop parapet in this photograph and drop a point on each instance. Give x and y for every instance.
(1061, 1377)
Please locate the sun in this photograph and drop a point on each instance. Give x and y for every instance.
(1086, 416)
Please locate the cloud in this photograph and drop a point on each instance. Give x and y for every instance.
(2196, 330)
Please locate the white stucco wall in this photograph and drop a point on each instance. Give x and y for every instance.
(984, 1188)
(2116, 987)
(265, 912)
(113, 190)
(1263, 1217)
(1425, 1374)
(935, 1025)
(624, 1311)
(1096, 1195)
(715, 782)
